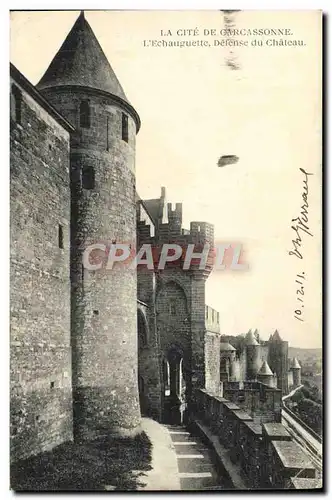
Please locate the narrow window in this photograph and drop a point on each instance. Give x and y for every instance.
(52, 385)
(85, 114)
(16, 104)
(60, 236)
(96, 312)
(172, 307)
(206, 312)
(107, 133)
(124, 127)
(88, 177)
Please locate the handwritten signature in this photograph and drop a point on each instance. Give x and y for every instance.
(301, 227)
(302, 220)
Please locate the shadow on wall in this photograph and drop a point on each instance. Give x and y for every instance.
(117, 464)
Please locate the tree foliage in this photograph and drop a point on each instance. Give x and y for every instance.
(309, 406)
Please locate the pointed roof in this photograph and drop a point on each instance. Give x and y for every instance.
(276, 337)
(225, 346)
(265, 369)
(81, 61)
(250, 339)
(154, 208)
(295, 363)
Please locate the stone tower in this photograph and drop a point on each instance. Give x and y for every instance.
(265, 375)
(188, 342)
(278, 360)
(296, 370)
(83, 87)
(253, 355)
(227, 358)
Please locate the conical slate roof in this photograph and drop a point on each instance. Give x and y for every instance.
(250, 339)
(225, 346)
(265, 369)
(276, 337)
(295, 363)
(81, 61)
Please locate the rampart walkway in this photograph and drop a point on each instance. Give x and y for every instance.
(180, 460)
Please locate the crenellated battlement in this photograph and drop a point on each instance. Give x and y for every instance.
(265, 454)
(195, 241)
(95, 348)
(172, 231)
(174, 216)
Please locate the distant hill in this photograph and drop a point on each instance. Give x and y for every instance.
(304, 355)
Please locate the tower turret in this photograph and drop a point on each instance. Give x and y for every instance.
(227, 358)
(83, 87)
(253, 355)
(175, 217)
(296, 370)
(278, 360)
(265, 375)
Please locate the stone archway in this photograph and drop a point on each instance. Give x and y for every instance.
(174, 386)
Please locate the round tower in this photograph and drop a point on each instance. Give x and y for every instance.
(227, 358)
(253, 356)
(278, 360)
(83, 87)
(296, 370)
(265, 375)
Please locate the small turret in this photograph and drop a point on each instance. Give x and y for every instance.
(250, 339)
(175, 216)
(265, 375)
(276, 337)
(253, 355)
(227, 358)
(278, 360)
(295, 367)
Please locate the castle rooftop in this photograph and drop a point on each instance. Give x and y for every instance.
(225, 346)
(276, 337)
(81, 61)
(250, 339)
(295, 363)
(265, 369)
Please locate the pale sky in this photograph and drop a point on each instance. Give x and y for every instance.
(194, 109)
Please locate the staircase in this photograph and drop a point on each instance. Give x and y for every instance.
(195, 465)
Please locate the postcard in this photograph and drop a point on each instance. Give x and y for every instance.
(166, 250)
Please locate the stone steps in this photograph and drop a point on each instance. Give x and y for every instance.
(195, 466)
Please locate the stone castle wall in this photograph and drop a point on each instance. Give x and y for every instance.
(266, 453)
(263, 403)
(41, 392)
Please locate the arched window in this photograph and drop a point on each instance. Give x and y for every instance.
(85, 114)
(16, 104)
